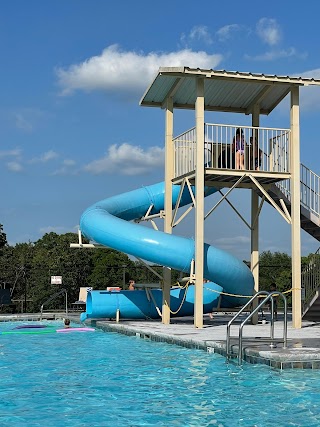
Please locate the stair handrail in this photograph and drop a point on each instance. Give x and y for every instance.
(309, 189)
(310, 280)
(270, 297)
(310, 200)
(63, 290)
(256, 295)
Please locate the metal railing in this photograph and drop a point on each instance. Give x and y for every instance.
(268, 296)
(275, 157)
(309, 190)
(266, 149)
(52, 298)
(310, 200)
(310, 281)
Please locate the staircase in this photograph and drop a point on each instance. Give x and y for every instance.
(310, 222)
(312, 311)
(309, 199)
(310, 282)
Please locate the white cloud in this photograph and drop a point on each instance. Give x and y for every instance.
(278, 54)
(61, 171)
(14, 167)
(226, 32)
(197, 33)
(239, 246)
(69, 162)
(10, 153)
(49, 155)
(309, 95)
(27, 119)
(66, 168)
(22, 123)
(126, 71)
(128, 160)
(45, 157)
(269, 31)
(310, 74)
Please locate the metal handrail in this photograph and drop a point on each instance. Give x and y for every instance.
(237, 315)
(309, 190)
(310, 281)
(54, 296)
(270, 147)
(268, 296)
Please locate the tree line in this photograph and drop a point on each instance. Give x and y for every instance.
(26, 269)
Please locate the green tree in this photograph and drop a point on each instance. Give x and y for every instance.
(16, 267)
(109, 268)
(275, 267)
(3, 237)
(54, 257)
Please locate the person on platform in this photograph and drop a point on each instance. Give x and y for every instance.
(238, 146)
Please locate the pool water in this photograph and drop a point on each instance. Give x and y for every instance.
(108, 379)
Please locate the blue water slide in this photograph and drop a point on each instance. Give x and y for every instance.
(109, 223)
(144, 304)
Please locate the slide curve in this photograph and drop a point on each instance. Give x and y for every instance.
(108, 223)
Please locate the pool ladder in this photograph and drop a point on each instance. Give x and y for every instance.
(62, 291)
(266, 296)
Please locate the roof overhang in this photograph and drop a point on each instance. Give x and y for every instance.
(226, 91)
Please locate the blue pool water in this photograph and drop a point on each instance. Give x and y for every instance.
(108, 379)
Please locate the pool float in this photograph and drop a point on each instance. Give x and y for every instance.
(31, 327)
(76, 330)
(35, 330)
(29, 331)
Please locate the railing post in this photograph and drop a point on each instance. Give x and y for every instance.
(285, 321)
(66, 303)
(272, 323)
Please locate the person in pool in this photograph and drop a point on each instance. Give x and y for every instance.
(67, 323)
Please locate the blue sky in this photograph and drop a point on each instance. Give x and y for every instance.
(73, 72)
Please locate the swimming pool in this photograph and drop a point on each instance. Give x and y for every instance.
(109, 379)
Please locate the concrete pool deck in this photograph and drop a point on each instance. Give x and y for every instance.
(303, 345)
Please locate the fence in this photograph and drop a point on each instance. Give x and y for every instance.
(265, 149)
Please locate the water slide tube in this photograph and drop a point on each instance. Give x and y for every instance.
(108, 223)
